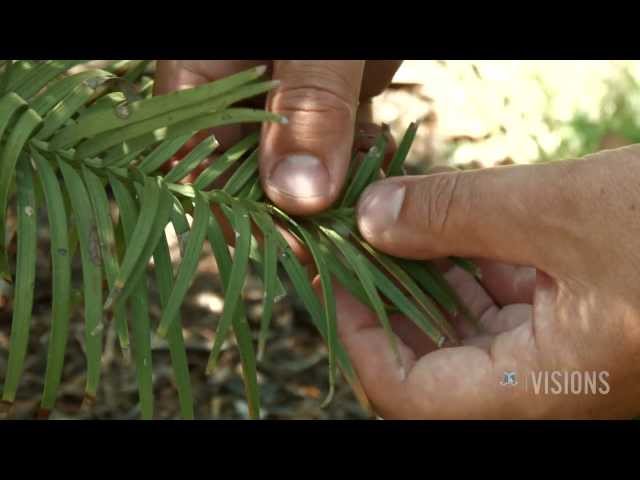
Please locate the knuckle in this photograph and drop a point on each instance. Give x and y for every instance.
(312, 98)
(438, 198)
(323, 87)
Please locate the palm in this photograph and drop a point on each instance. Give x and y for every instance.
(503, 302)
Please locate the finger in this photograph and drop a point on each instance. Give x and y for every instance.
(377, 76)
(368, 348)
(510, 214)
(412, 335)
(441, 169)
(174, 75)
(464, 382)
(477, 301)
(492, 318)
(506, 283)
(366, 136)
(459, 382)
(303, 164)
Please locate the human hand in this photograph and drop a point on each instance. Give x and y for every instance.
(557, 245)
(303, 164)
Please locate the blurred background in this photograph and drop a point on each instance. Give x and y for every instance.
(486, 113)
(472, 114)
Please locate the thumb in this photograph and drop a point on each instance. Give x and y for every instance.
(512, 214)
(304, 163)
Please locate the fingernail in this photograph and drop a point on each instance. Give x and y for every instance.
(380, 206)
(301, 176)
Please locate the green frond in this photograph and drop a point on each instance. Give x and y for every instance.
(61, 267)
(78, 144)
(25, 279)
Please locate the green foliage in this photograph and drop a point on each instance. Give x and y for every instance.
(619, 119)
(88, 137)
